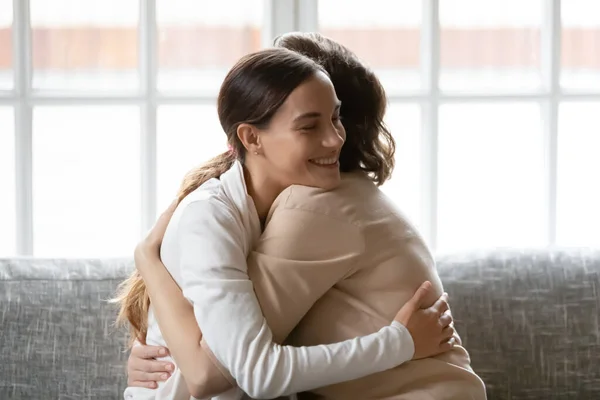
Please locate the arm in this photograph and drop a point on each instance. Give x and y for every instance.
(215, 280)
(178, 326)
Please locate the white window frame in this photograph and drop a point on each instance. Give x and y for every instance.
(431, 98)
(280, 16)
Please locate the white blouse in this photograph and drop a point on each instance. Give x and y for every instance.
(205, 248)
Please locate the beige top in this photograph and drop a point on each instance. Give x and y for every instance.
(335, 265)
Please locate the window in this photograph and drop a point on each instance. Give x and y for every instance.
(187, 136)
(578, 214)
(105, 105)
(503, 150)
(580, 57)
(386, 35)
(86, 180)
(199, 40)
(491, 174)
(490, 45)
(84, 45)
(7, 182)
(6, 64)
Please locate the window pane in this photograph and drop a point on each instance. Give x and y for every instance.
(580, 44)
(7, 183)
(187, 136)
(491, 174)
(199, 40)
(85, 44)
(404, 121)
(490, 45)
(86, 181)
(386, 35)
(6, 74)
(578, 219)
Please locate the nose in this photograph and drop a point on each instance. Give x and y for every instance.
(334, 138)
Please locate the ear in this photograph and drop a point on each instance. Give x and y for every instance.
(250, 138)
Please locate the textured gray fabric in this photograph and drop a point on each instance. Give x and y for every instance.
(530, 320)
(58, 340)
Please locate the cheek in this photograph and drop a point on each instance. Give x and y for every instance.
(288, 154)
(293, 149)
(293, 161)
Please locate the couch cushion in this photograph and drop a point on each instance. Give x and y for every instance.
(530, 320)
(58, 335)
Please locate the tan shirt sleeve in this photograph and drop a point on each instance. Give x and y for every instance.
(301, 255)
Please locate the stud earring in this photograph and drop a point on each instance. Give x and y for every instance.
(256, 153)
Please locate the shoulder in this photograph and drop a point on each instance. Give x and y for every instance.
(304, 217)
(206, 208)
(342, 203)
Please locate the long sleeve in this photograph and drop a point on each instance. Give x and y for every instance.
(215, 279)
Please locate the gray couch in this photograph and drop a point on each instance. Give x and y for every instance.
(530, 320)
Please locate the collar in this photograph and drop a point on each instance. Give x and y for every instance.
(235, 188)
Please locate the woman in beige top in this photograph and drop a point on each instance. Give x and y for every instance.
(373, 261)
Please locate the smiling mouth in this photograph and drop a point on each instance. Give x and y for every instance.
(325, 161)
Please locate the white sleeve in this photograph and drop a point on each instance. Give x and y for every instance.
(215, 280)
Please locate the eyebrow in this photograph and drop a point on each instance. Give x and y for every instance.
(314, 114)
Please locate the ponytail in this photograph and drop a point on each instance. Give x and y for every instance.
(132, 294)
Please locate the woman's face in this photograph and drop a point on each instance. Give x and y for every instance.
(303, 140)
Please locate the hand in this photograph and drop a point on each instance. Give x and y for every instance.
(431, 328)
(149, 247)
(143, 370)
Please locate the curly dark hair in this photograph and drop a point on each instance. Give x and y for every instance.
(369, 144)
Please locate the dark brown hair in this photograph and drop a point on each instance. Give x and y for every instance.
(253, 90)
(369, 144)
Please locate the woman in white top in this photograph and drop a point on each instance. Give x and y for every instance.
(280, 113)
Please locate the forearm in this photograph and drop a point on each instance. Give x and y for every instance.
(175, 316)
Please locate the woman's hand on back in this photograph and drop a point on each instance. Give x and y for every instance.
(144, 370)
(431, 328)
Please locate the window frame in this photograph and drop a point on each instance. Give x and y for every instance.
(280, 16)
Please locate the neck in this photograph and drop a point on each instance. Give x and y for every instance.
(262, 189)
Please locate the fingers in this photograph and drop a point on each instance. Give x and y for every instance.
(414, 304)
(150, 366)
(447, 345)
(154, 237)
(445, 320)
(143, 370)
(165, 217)
(447, 333)
(149, 352)
(421, 294)
(149, 385)
(141, 376)
(441, 305)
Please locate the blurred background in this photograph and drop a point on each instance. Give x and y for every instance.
(104, 105)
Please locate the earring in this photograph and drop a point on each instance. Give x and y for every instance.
(256, 153)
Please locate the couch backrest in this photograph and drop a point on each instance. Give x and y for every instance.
(58, 340)
(530, 320)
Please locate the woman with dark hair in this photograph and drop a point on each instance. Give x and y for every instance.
(280, 113)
